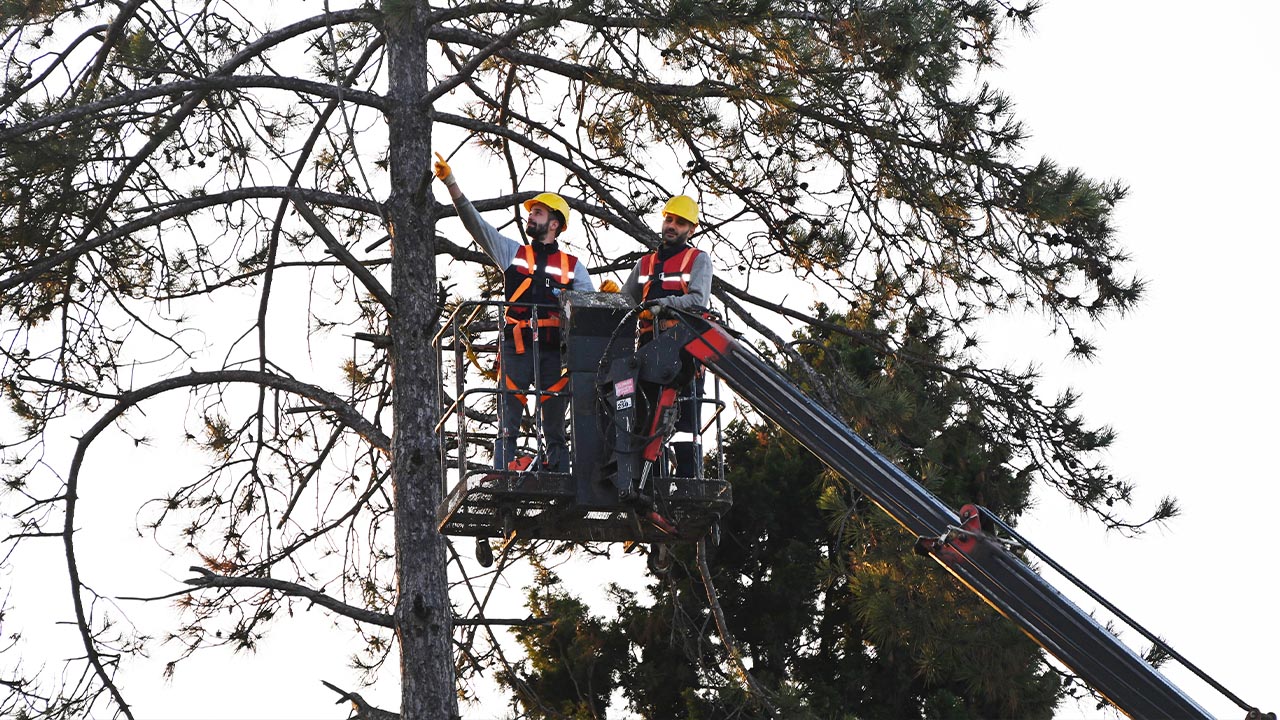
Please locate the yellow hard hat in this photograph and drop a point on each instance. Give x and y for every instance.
(553, 201)
(682, 206)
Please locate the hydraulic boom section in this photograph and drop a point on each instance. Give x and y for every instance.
(979, 560)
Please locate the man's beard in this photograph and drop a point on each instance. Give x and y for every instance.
(536, 231)
(674, 237)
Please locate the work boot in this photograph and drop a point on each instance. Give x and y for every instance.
(558, 460)
(519, 465)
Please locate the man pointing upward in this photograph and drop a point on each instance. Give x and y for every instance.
(533, 276)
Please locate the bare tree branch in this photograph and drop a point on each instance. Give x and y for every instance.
(330, 401)
(362, 710)
(79, 246)
(202, 85)
(360, 271)
(209, 579)
(758, 693)
(179, 209)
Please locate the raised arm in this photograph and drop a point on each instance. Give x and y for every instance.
(500, 248)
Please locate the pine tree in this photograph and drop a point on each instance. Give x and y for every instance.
(189, 195)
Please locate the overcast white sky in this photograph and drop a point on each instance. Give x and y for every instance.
(1175, 99)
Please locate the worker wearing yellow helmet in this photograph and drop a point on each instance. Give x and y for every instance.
(677, 275)
(534, 276)
(675, 278)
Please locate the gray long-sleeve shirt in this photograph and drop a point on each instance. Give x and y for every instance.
(502, 249)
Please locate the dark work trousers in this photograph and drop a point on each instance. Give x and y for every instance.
(519, 370)
(686, 442)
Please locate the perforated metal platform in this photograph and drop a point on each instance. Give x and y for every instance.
(540, 505)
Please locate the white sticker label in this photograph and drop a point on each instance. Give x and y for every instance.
(624, 387)
(624, 403)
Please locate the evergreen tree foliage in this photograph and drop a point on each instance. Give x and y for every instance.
(219, 233)
(575, 658)
(822, 591)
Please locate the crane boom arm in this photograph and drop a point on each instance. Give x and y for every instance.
(957, 542)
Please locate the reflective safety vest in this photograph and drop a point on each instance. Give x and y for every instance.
(669, 279)
(536, 279)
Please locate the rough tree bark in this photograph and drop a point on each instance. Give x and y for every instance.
(423, 615)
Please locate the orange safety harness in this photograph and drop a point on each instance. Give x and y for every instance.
(524, 264)
(523, 398)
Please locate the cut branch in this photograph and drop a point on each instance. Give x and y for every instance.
(362, 710)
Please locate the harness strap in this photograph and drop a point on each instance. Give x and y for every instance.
(559, 385)
(564, 267)
(518, 326)
(646, 270)
(684, 267)
(529, 263)
(511, 385)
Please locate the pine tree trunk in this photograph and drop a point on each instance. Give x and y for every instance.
(424, 620)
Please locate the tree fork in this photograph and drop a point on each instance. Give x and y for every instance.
(423, 618)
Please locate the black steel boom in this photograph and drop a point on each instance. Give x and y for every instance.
(957, 542)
